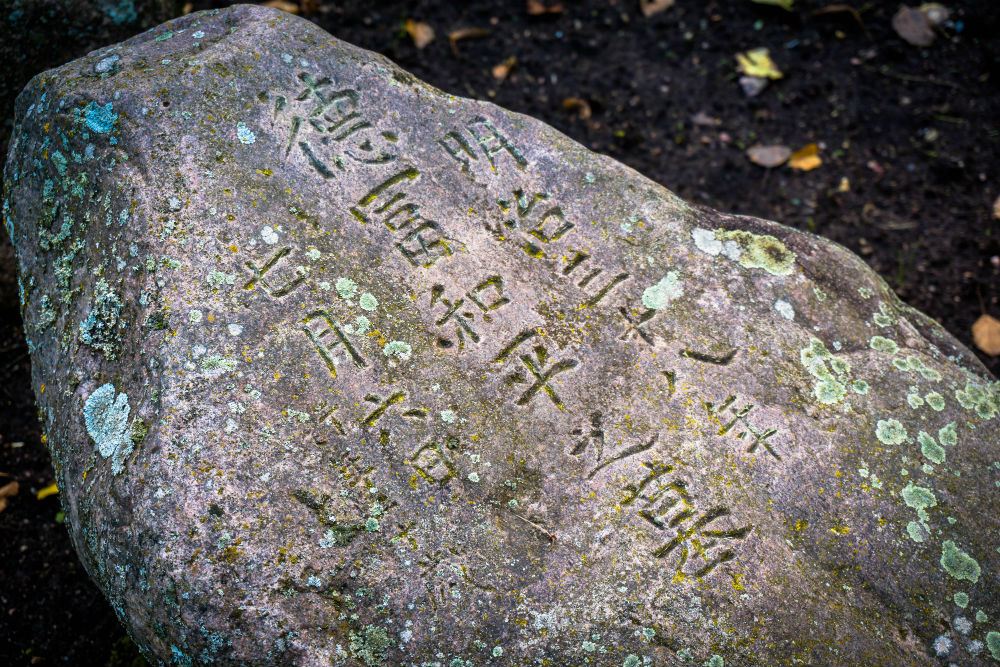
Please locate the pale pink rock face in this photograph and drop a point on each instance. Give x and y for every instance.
(338, 369)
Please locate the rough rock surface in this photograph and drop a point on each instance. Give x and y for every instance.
(338, 369)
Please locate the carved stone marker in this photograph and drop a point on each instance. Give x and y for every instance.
(338, 369)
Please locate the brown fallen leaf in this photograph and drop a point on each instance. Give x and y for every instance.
(581, 107)
(986, 334)
(996, 209)
(501, 71)
(421, 33)
(805, 159)
(8, 490)
(465, 33)
(650, 7)
(538, 8)
(912, 25)
(283, 5)
(769, 156)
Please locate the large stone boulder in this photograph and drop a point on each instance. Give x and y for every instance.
(336, 368)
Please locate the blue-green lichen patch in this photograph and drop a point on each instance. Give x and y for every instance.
(912, 363)
(245, 134)
(217, 363)
(918, 497)
(100, 119)
(930, 449)
(883, 344)
(959, 564)
(346, 288)
(935, 401)
(993, 643)
(760, 251)
(890, 432)
(885, 317)
(658, 296)
(100, 329)
(368, 302)
(961, 599)
(860, 387)
(106, 417)
(372, 647)
(830, 372)
(916, 531)
(983, 399)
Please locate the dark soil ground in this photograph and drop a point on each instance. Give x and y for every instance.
(909, 138)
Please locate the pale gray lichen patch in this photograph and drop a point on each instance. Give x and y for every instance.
(761, 251)
(244, 134)
(99, 330)
(106, 417)
(784, 309)
(948, 435)
(399, 349)
(706, 242)
(368, 302)
(930, 448)
(918, 497)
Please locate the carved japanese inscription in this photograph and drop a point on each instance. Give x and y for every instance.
(338, 369)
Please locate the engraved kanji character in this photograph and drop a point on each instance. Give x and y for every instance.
(259, 272)
(433, 460)
(425, 244)
(327, 336)
(541, 376)
(710, 545)
(462, 320)
(757, 437)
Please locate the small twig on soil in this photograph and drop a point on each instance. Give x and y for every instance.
(552, 538)
(839, 8)
(915, 79)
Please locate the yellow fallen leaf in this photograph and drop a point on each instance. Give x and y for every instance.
(845, 185)
(465, 33)
(805, 159)
(283, 5)
(650, 7)
(757, 62)
(784, 4)
(49, 490)
(501, 71)
(581, 107)
(986, 334)
(769, 156)
(421, 33)
(538, 8)
(996, 209)
(8, 490)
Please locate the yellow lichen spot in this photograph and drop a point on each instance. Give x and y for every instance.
(47, 125)
(41, 390)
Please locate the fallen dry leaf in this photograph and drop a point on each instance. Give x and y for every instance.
(581, 107)
(421, 33)
(912, 25)
(986, 334)
(757, 62)
(845, 185)
(704, 120)
(49, 490)
(501, 71)
(650, 7)
(465, 33)
(935, 12)
(769, 156)
(283, 5)
(996, 209)
(805, 159)
(8, 490)
(537, 8)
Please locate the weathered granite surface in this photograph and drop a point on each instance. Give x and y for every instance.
(338, 369)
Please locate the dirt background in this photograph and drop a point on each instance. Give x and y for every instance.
(909, 139)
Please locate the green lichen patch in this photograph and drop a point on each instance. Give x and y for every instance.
(399, 349)
(760, 251)
(935, 401)
(371, 647)
(106, 416)
(883, 344)
(930, 449)
(368, 302)
(958, 563)
(100, 329)
(860, 387)
(916, 531)
(948, 435)
(890, 431)
(830, 372)
(961, 599)
(918, 497)
(346, 288)
(658, 296)
(993, 644)
(983, 399)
